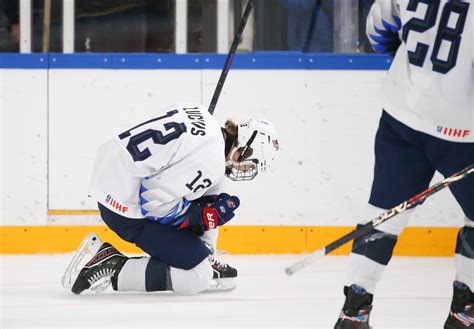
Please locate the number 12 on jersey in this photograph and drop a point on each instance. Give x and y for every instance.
(173, 131)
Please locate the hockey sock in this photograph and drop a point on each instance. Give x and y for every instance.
(192, 281)
(375, 245)
(143, 274)
(464, 257)
(369, 258)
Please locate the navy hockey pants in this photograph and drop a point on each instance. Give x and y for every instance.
(181, 249)
(405, 163)
(406, 160)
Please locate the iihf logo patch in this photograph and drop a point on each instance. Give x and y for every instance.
(453, 132)
(115, 204)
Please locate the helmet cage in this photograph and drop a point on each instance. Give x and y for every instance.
(245, 168)
(257, 143)
(239, 171)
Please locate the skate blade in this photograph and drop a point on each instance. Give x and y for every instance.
(89, 246)
(226, 284)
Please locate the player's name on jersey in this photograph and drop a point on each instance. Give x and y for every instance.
(197, 120)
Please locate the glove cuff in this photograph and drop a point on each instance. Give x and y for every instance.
(210, 218)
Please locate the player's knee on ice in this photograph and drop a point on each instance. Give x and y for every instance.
(189, 282)
(151, 274)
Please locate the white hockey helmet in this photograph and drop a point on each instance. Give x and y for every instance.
(257, 146)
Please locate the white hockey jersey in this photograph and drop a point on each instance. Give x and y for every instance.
(155, 168)
(430, 84)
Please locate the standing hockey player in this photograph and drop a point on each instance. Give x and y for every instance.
(158, 185)
(427, 124)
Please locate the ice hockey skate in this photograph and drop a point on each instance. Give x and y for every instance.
(88, 248)
(461, 315)
(99, 271)
(356, 310)
(225, 276)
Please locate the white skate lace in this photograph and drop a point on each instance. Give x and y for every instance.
(104, 276)
(464, 317)
(357, 318)
(218, 265)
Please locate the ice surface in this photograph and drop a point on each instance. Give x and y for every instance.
(414, 293)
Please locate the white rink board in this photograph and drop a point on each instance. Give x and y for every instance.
(23, 147)
(89, 107)
(327, 122)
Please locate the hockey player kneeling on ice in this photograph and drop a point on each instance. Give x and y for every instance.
(158, 185)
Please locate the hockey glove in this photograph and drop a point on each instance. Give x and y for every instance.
(209, 212)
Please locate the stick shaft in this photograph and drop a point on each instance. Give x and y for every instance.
(230, 57)
(366, 228)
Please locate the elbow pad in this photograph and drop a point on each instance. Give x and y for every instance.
(160, 205)
(383, 25)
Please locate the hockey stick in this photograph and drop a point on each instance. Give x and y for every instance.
(230, 56)
(366, 228)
